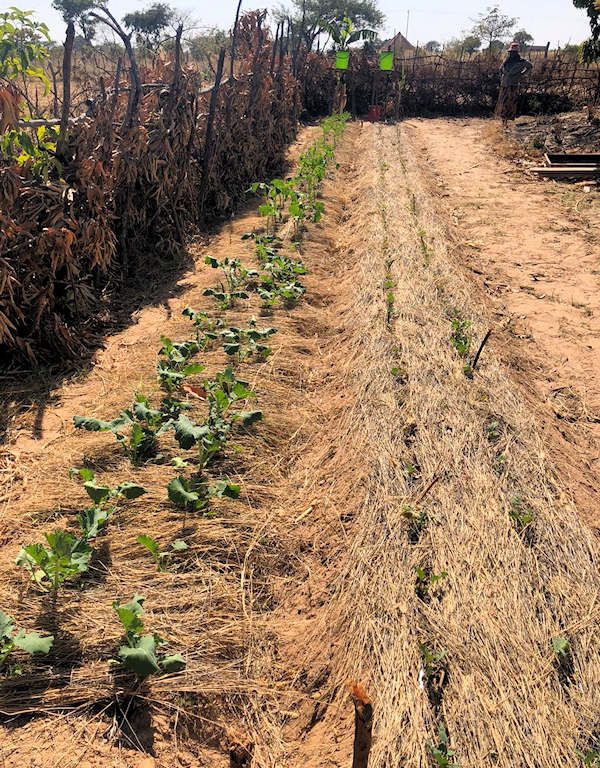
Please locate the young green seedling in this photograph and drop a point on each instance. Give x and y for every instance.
(432, 675)
(417, 522)
(30, 642)
(160, 557)
(564, 659)
(140, 654)
(136, 429)
(174, 366)
(197, 498)
(237, 279)
(426, 582)
(207, 328)
(590, 758)
(276, 194)
(266, 246)
(222, 393)
(104, 498)
(241, 343)
(65, 557)
(520, 513)
(441, 753)
(460, 338)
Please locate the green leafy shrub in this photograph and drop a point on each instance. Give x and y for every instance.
(207, 328)
(241, 343)
(222, 392)
(174, 366)
(197, 498)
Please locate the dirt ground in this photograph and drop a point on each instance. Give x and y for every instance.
(532, 247)
(424, 532)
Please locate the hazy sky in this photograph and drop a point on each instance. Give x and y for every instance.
(554, 20)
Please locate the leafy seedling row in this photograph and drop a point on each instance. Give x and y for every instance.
(65, 555)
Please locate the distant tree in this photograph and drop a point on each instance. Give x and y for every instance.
(571, 49)
(72, 10)
(149, 25)
(590, 49)
(309, 17)
(469, 45)
(523, 37)
(493, 26)
(433, 46)
(204, 48)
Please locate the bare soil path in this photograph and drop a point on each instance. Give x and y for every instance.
(533, 247)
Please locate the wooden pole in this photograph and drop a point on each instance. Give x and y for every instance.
(234, 38)
(66, 104)
(208, 142)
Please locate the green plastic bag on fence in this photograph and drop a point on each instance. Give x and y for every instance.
(341, 59)
(386, 61)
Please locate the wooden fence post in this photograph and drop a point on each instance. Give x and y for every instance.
(208, 142)
(66, 104)
(234, 39)
(363, 726)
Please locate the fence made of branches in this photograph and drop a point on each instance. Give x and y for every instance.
(129, 179)
(439, 84)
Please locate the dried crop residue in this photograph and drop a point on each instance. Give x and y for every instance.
(463, 558)
(533, 247)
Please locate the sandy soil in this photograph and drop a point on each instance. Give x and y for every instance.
(532, 246)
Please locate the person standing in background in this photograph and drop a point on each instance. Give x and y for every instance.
(511, 72)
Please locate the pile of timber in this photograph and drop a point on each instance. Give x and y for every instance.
(570, 166)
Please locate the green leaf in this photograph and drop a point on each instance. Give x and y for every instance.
(180, 494)
(179, 545)
(97, 493)
(6, 625)
(223, 488)
(560, 645)
(84, 473)
(130, 614)
(33, 642)
(143, 412)
(92, 521)
(187, 433)
(193, 369)
(141, 659)
(130, 490)
(174, 663)
(246, 418)
(97, 425)
(150, 544)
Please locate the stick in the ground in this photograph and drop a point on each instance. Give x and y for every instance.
(480, 350)
(363, 724)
